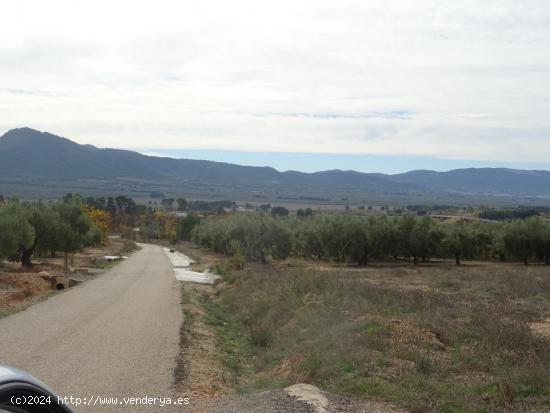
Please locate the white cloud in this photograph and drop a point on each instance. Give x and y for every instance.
(471, 77)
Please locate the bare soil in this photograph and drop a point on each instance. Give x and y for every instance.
(21, 287)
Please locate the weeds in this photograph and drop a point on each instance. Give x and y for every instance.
(7, 312)
(462, 345)
(181, 371)
(128, 246)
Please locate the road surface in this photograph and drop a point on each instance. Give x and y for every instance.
(115, 336)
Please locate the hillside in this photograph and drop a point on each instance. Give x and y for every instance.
(40, 159)
(28, 153)
(497, 181)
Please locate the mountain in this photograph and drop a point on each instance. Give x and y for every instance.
(30, 157)
(27, 153)
(495, 181)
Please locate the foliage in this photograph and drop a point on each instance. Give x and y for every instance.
(33, 228)
(15, 230)
(279, 211)
(74, 227)
(185, 226)
(356, 238)
(509, 214)
(123, 211)
(260, 236)
(101, 219)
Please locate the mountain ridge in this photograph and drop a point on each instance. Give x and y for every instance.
(28, 153)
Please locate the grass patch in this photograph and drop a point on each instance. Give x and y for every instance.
(186, 329)
(43, 297)
(232, 336)
(106, 265)
(128, 246)
(8, 312)
(459, 344)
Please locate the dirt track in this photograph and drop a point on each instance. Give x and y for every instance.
(115, 336)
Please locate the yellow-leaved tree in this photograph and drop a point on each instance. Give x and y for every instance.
(101, 219)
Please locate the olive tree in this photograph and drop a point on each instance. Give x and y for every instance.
(15, 231)
(459, 241)
(518, 241)
(73, 228)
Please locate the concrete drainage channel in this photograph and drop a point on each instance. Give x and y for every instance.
(182, 269)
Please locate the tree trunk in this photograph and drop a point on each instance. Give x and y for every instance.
(525, 261)
(66, 260)
(26, 255)
(415, 259)
(547, 260)
(457, 259)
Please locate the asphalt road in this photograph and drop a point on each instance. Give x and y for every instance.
(115, 336)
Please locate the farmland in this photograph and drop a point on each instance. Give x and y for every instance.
(428, 316)
(431, 338)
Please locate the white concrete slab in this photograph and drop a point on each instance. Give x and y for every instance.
(178, 259)
(183, 274)
(182, 269)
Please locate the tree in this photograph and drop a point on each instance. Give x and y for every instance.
(405, 229)
(426, 238)
(279, 211)
(45, 222)
(384, 237)
(73, 228)
(182, 204)
(168, 203)
(100, 219)
(539, 233)
(15, 231)
(459, 241)
(361, 241)
(545, 242)
(185, 226)
(518, 241)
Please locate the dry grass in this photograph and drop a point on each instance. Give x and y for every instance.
(199, 373)
(430, 338)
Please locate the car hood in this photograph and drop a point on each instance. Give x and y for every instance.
(11, 375)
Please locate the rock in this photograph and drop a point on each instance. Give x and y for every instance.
(45, 275)
(310, 395)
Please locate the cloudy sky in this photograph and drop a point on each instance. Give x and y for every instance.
(374, 85)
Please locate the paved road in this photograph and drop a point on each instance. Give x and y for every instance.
(115, 336)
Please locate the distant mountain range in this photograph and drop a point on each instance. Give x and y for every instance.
(28, 156)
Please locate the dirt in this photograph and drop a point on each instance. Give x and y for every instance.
(202, 375)
(21, 287)
(410, 335)
(17, 289)
(280, 401)
(541, 328)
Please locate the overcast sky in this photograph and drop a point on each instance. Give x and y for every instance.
(464, 80)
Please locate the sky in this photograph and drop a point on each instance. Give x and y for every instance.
(378, 85)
